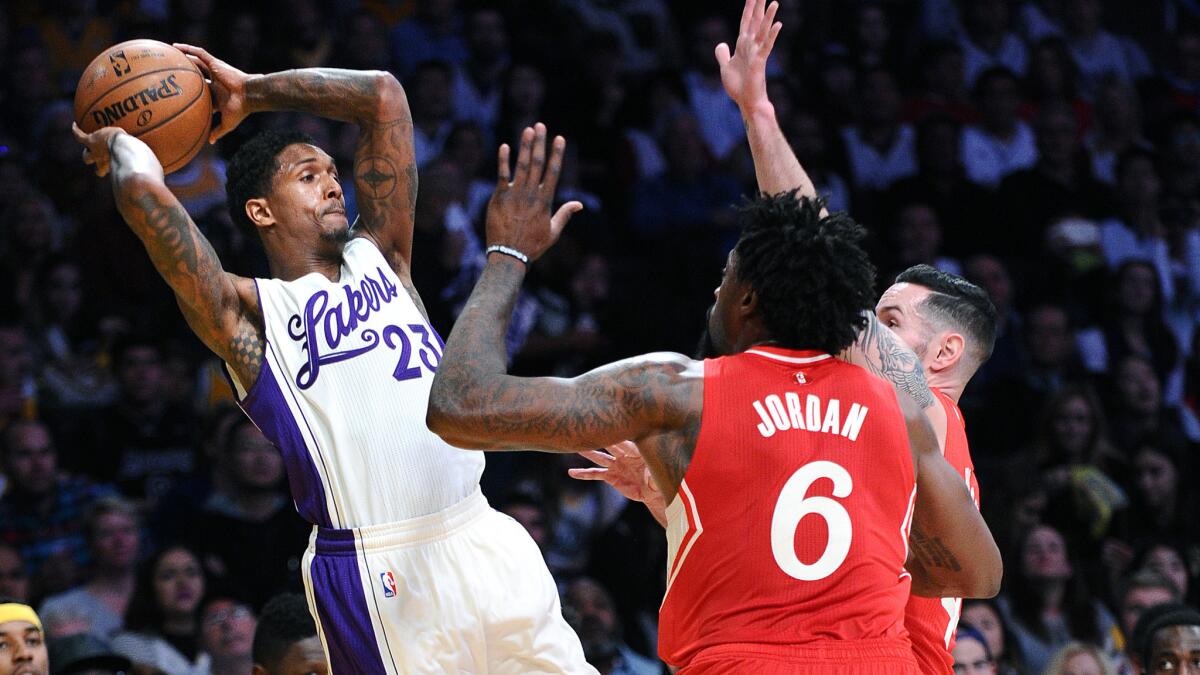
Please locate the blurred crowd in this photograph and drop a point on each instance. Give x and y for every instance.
(1047, 150)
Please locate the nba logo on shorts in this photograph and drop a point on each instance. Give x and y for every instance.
(389, 584)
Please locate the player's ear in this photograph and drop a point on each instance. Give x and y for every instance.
(749, 301)
(259, 212)
(951, 349)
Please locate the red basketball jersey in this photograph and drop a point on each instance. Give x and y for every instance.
(791, 524)
(931, 622)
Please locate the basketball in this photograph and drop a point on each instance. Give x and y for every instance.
(151, 90)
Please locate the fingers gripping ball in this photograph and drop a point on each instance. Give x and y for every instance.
(151, 90)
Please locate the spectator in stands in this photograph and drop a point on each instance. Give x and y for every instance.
(872, 42)
(1098, 52)
(85, 654)
(1168, 558)
(70, 341)
(943, 90)
(1078, 658)
(162, 626)
(719, 122)
(987, 42)
(530, 511)
(1048, 603)
(1073, 432)
(590, 610)
(363, 44)
(523, 103)
(41, 511)
(466, 147)
(941, 181)
(989, 272)
(227, 635)
(1138, 231)
(881, 150)
(1002, 143)
(1141, 591)
(819, 153)
(98, 606)
(248, 532)
(18, 388)
(1162, 504)
(34, 234)
(431, 100)
(917, 238)
(1139, 412)
(479, 85)
(985, 616)
(1059, 184)
(22, 640)
(1116, 127)
(286, 641)
(144, 442)
(1053, 78)
(436, 32)
(14, 580)
(972, 655)
(1167, 639)
(1040, 19)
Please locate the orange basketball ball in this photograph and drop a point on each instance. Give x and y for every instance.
(151, 90)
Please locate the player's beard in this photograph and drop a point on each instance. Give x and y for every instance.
(705, 349)
(337, 237)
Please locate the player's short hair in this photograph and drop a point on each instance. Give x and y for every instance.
(959, 304)
(284, 621)
(253, 166)
(812, 278)
(1156, 619)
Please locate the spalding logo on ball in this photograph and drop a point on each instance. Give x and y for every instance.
(151, 90)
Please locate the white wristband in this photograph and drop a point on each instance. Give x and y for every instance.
(496, 248)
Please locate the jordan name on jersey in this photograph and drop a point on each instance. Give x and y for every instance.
(789, 413)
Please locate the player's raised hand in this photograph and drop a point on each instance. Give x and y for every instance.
(95, 146)
(518, 214)
(744, 72)
(623, 468)
(228, 85)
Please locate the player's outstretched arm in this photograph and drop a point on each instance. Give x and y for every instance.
(951, 551)
(221, 308)
(474, 403)
(744, 74)
(385, 168)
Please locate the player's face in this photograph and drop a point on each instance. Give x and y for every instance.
(899, 309)
(722, 318)
(306, 194)
(22, 649)
(303, 658)
(1176, 649)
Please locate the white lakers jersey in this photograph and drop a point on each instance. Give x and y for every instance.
(343, 392)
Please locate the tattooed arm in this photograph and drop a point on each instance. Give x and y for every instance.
(951, 551)
(221, 308)
(654, 399)
(385, 168)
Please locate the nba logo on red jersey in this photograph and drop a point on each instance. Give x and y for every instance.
(389, 584)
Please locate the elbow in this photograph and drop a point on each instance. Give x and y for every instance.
(985, 582)
(447, 416)
(389, 92)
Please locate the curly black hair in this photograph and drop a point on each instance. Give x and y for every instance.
(284, 621)
(252, 167)
(1155, 619)
(813, 280)
(958, 303)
